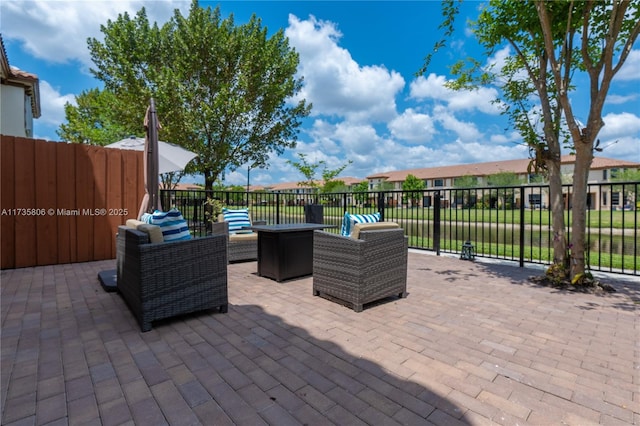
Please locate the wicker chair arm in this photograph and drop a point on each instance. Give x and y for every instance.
(220, 228)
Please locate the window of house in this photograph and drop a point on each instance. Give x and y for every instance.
(615, 198)
(438, 182)
(614, 173)
(604, 174)
(535, 201)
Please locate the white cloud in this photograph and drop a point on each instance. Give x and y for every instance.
(624, 148)
(412, 126)
(460, 152)
(57, 31)
(621, 99)
(52, 104)
(334, 82)
(618, 125)
(467, 131)
(629, 70)
(433, 87)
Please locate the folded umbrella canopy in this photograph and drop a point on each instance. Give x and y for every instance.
(171, 157)
(151, 200)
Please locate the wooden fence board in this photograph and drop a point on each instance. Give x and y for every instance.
(84, 200)
(7, 194)
(115, 209)
(46, 226)
(133, 180)
(66, 200)
(25, 198)
(102, 231)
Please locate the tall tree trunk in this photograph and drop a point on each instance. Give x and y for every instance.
(208, 180)
(556, 204)
(584, 157)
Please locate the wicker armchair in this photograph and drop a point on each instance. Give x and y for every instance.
(369, 266)
(162, 280)
(240, 247)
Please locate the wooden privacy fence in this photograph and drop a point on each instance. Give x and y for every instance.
(62, 203)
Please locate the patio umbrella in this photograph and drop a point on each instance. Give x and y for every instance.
(159, 157)
(171, 157)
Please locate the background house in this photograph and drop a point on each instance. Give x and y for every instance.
(603, 170)
(19, 99)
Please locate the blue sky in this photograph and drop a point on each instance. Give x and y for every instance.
(358, 60)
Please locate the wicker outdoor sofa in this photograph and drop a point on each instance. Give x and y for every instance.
(368, 266)
(166, 279)
(241, 246)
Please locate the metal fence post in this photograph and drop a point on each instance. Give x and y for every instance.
(381, 205)
(436, 222)
(522, 227)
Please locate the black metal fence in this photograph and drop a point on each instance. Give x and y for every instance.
(508, 223)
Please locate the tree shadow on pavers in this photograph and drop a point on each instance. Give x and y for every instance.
(625, 297)
(287, 375)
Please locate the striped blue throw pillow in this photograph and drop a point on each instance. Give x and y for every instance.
(171, 223)
(237, 219)
(349, 220)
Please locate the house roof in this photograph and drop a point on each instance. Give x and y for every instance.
(490, 168)
(186, 186)
(16, 77)
(286, 186)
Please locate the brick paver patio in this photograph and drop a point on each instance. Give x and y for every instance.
(473, 343)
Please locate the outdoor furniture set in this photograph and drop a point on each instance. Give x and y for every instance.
(162, 273)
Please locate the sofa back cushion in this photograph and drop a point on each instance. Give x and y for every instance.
(237, 219)
(349, 220)
(172, 224)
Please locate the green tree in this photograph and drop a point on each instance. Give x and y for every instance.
(361, 192)
(466, 182)
(506, 181)
(334, 186)
(384, 186)
(327, 183)
(627, 175)
(93, 121)
(553, 41)
(629, 191)
(596, 37)
(466, 195)
(412, 187)
(527, 95)
(222, 90)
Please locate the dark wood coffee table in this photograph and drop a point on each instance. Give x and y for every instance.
(286, 250)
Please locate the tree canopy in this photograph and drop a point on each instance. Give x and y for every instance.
(222, 90)
(550, 43)
(93, 120)
(414, 186)
(327, 183)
